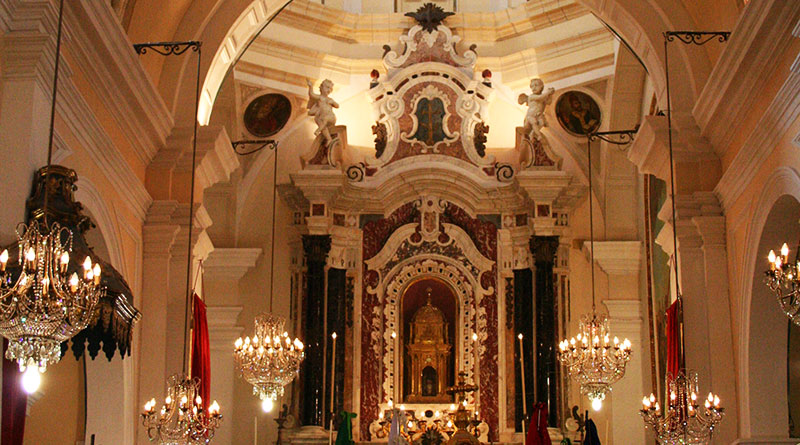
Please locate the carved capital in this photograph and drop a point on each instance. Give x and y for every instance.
(544, 248)
(316, 247)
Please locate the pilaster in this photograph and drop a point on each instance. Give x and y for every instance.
(626, 322)
(222, 333)
(621, 260)
(223, 268)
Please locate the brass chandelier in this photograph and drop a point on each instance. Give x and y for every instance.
(684, 421)
(592, 357)
(782, 278)
(45, 297)
(271, 359)
(185, 418)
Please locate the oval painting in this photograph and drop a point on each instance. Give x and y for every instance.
(578, 113)
(267, 114)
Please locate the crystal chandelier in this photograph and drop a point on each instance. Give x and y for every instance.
(685, 422)
(782, 279)
(271, 359)
(48, 303)
(594, 359)
(44, 298)
(591, 357)
(182, 420)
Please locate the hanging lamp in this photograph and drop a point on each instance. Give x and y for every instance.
(185, 418)
(685, 420)
(271, 359)
(593, 357)
(46, 298)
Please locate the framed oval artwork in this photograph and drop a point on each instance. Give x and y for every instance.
(267, 114)
(578, 113)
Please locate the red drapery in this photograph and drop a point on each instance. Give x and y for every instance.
(15, 403)
(674, 343)
(537, 430)
(201, 354)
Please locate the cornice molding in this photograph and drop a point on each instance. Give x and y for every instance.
(616, 257)
(737, 80)
(231, 263)
(122, 84)
(98, 144)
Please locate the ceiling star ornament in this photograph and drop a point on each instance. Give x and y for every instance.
(271, 359)
(782, 278)
(429, 16)
(182, 420)
(685, 421)
(45, 298)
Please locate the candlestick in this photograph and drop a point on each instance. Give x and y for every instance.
(255, 430)
(522, 379)
(333, 374)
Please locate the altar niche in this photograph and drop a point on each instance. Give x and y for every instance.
(429, 311)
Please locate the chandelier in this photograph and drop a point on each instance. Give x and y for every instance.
(594, 359)
(49, 302)
(685, 422)
(182, 420)
(44, 298)
(782, 278)
(270, 360)
(591, 357)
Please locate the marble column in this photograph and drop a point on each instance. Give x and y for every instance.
(315, 248)
(621, 261)
(544, 250)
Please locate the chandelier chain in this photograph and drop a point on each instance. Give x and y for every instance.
(53, 110)
(274, 210)
(591, 220)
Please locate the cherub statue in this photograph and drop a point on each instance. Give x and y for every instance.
(536, 101)
(321, 107)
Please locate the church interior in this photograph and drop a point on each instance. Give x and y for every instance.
(402, 222)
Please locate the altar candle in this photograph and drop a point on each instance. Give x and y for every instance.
(333, 371)
(522, 370)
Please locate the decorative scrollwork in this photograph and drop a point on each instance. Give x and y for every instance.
(168, 48)
(262, 144)
(697, 37)
(355, 172)
(618, 137)
(504, 172)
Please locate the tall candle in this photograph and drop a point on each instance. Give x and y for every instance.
(255, 430)
(522, 378)
(333, 371)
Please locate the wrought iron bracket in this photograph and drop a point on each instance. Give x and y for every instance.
(269, 144)
(697, 37)
(617, 137)
(168, 48)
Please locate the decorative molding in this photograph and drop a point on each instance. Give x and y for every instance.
(737, 80)
(616, 257)
(231, 263)
(222, 328)
(93, 138)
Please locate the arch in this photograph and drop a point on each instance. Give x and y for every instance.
(760, 414)
(110, 413)
(236, 22)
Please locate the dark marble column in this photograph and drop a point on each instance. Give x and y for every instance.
(544, 250)
(523, 324)
(336, 323)
(315, 248)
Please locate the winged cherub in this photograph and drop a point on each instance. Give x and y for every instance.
(537, 101)
(321, 107)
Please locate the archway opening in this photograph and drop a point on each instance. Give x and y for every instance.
(429, 348)
(776, 396)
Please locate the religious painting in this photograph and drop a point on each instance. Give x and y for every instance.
(267, 114)
(578, 113)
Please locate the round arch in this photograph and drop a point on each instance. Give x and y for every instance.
(762, 351)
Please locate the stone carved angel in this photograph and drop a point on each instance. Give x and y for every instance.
(321, 107)
(536, 101)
